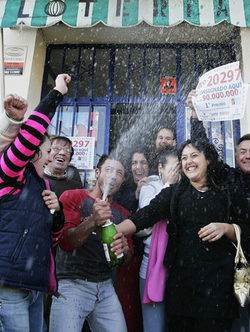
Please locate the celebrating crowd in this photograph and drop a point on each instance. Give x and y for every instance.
(173, 212)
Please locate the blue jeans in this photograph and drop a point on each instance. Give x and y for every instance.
(20, 310)
(154, 314)
(80, 299)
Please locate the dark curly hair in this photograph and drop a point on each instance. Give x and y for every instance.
(216, 170)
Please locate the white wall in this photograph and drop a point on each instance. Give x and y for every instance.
(37, 70)
(28, 85)
(2, 85)
(245, 44)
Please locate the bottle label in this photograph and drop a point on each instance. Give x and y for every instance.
(106, 251)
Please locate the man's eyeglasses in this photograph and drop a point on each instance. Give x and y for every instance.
(59, 148)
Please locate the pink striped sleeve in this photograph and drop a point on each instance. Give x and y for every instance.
(20, 147)
(11, 164)
(35, 125)
(7, 190)
(42, 116)
(9, 172)
(18, 162)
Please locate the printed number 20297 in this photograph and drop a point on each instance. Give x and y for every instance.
(224, 77)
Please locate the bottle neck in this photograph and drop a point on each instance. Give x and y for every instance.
(107, 223)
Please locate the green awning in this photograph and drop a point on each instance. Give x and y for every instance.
(123, 13)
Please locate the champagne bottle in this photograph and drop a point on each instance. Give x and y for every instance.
(107, 233)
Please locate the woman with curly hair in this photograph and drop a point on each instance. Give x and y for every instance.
(200, 254)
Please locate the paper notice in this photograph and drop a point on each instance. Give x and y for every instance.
(221, 94)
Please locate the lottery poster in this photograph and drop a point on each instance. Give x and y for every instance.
(84, 148)
(221, 94)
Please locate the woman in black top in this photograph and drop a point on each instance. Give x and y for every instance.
(200, 253)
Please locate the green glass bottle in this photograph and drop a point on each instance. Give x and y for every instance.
(107, 233)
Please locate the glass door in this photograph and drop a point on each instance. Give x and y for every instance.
(84, 121)
(134, 125)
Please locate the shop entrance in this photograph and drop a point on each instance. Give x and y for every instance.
(116, 96)
(132, 125)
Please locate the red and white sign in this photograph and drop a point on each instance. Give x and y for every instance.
(14, 60)
(168, 85)
(221, 94)
(84, 149)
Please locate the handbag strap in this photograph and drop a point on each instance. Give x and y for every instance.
(239, 257)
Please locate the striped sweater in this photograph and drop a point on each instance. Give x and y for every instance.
(26, 259)
(14, 160)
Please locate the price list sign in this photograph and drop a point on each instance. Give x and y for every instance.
(221, 94)
(84, 148)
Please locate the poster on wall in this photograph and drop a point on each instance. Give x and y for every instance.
(84, 148)
(168, 86)
(14, 59)
(221, 94)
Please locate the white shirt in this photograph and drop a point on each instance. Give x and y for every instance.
(147, 193)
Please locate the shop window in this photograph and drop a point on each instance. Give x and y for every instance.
(120, 72)
(62, 123)
(98, 128)
(82, 121)
(188, 78)
(71, 66)
(152, 72)
(101, 73)
(169, 62)
(136, 124)
(116, 88)
(85, 72)
(136, 72)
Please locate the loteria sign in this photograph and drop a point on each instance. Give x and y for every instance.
(123, 13)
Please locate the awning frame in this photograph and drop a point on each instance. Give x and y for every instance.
(121, 13)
